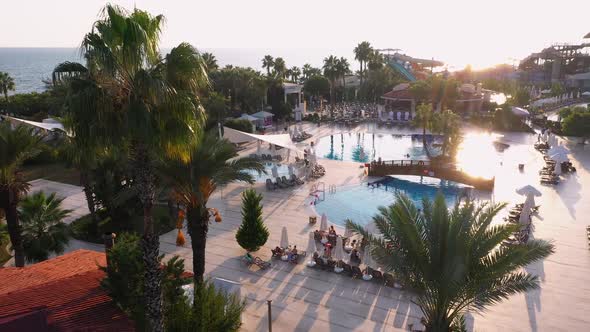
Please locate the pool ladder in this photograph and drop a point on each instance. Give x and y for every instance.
(317, 189)
(332, 189)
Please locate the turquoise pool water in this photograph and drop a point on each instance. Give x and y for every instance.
(365, 147)
(360, 203)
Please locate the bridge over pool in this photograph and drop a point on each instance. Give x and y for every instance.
(426, 168)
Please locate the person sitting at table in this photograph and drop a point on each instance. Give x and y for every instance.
(293, 255)
(354, 257)
(332, 230)
(278, 251)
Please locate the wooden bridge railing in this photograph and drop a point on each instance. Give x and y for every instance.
(426, 168)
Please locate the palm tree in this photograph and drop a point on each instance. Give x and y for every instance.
(132, 96)
(280, 68)
(295, 73)
(306, 70)
(268, 62)
(453, 258)
(212, 164)
(43, 231)
(343, 68)
(424, 119)
(362, 52)
(210, 62)
(448, 124)
(16, 146)
(331, 72)
(6, 84)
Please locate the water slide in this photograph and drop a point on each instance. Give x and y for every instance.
(402, 70)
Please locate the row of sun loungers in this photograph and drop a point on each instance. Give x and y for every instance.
(267, 157)
(301, 137)
(281, 182)
(355, 272)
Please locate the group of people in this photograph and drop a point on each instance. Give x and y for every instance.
(291, 254)
(352, 110)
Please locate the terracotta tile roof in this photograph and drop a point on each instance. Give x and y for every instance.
(399, 94)
(66, 290)
(70, 264)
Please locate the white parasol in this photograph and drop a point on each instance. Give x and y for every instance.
(557, 148)
(311, 249)
(284, 238)
(557, 169)
(324, 223)
(338, 254)
(368, 261)
(527, 190)
(525, 215)
(291, 171)
(559, 157)
(275, 171)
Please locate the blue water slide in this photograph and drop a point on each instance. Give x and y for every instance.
(401, 69)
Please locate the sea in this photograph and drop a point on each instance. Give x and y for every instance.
(30, 67)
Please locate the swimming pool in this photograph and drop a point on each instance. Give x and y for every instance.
(360, 202)
(365, 147)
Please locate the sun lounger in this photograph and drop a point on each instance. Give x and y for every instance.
(287, 182)
(249, 260)
(281, 184)
(269, 185)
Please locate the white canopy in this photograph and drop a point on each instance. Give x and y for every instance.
(262, 115)
(236, 136)
(51, 126)
(587, 93)
(248, 117)
(518, 111)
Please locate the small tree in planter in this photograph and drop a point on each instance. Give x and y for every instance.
(252, 233)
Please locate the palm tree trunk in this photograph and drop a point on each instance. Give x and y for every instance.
(150, 243)
(84, 181)
(332, 99)
(424, 141)
(361, 73)
(198, 226)
(9, 202)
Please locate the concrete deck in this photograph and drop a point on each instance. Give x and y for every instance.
(307, 299)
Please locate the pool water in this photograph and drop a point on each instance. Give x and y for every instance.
(360, 203)
(365, 147)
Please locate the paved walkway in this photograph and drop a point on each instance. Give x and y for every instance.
(306, 299)
(74, 198)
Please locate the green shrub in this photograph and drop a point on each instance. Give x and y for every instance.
(215, 311)
(239, 124)
(577, 124)
(124, 280)
(252, 233)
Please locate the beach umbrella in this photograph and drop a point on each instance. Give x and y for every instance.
(291, 171)
(311, 249)
(391, 115)
(324, 223)
(559, 157)
(557, 149)
(557, 169)
(545, 136)
(525, 215)
(275, 171)
(338, 254)
(368, 261)
(407, 116)
(528, 190)
(284, 238)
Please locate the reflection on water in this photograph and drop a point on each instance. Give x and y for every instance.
(476, 154)
(365, 147)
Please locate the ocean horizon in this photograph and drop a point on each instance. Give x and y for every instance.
(30, 67)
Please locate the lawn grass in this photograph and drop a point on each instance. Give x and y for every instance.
(163, 223)
(54, 172)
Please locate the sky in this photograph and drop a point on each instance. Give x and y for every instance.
(458, 32)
